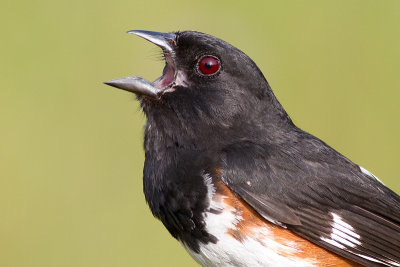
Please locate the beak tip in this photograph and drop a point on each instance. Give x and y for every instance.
(108, 83)
(113, 83)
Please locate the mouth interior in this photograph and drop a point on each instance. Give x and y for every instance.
(168, 77)
(155, 89)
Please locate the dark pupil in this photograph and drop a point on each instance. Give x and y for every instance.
(208, 64)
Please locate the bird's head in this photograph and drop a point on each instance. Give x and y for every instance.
(207, 87)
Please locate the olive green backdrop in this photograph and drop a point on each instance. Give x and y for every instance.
(71, 152)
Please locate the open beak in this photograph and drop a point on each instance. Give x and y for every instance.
(140, 86)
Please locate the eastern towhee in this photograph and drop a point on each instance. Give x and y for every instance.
(237, 183)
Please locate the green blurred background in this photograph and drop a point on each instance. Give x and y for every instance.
(71, 152)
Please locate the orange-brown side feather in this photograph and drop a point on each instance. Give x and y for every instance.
(251, 221)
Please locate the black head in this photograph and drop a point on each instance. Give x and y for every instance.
(209, 91)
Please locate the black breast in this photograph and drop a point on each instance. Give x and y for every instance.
(177, 194)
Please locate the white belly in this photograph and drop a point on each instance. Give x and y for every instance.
(259, 248)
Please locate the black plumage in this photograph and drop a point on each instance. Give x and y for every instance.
(231, 121)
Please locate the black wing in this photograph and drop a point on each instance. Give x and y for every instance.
(320, 195)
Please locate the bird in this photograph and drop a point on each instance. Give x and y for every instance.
(236, 182)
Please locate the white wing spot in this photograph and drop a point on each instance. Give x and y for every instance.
(378, 261)
(332, 242)
(342, 234)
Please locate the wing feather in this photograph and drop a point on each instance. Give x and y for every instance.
(323, 197)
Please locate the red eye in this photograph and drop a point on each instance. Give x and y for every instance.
(209, 65)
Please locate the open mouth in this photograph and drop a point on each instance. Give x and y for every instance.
(166, 82)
